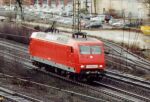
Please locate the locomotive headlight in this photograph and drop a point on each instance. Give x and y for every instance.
(100, 66)
(82, 66)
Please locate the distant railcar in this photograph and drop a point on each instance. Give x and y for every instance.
(75, 56)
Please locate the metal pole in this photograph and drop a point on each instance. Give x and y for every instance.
(86, 5)
(95, 6)
(91, 6)
(78, 16)
(73, 26)
(10, 4)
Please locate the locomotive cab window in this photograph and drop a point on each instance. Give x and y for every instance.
(85, 49)
(90, 50)
(95, 50)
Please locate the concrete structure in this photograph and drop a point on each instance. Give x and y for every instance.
(131, 8)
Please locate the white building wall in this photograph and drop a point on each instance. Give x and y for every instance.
(133, 7)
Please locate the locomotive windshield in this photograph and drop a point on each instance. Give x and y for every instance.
(90, 50)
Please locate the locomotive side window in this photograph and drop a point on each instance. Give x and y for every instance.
(90, 50)
(95, 50)
(85, 49)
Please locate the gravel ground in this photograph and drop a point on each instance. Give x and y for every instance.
(45, 94)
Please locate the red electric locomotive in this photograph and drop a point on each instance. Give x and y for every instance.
(72, 56)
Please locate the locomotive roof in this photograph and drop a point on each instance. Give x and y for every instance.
(59, 37)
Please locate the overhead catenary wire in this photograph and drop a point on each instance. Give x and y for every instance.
(128, 45)
(135, 45)
(123, 40)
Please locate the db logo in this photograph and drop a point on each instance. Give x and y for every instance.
(91, 57)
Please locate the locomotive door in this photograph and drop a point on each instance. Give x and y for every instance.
(71, 55)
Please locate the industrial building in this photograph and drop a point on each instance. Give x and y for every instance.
(128, 8)
(32, 2)
(125, 8)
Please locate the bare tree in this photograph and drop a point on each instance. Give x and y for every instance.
(19, 2)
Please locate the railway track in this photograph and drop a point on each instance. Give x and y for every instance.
(41, 85)
(11, 45)
(13, 96)
(136, 87)
(110, 95)
(129, 62)
(127, 54)
(129, 78)
(96, 89)
(130, 95)
(126, 63)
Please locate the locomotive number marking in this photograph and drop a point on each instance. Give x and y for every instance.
(91, 66)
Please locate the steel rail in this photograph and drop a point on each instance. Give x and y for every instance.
(118, 64)
(124, 92)
(11, 44)
(16, 97)
(51, 87)
(131, 80)
(127, 58)
(139, 57)
(86, 86)
(131, 62)
(13, 56)
(14, 35)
